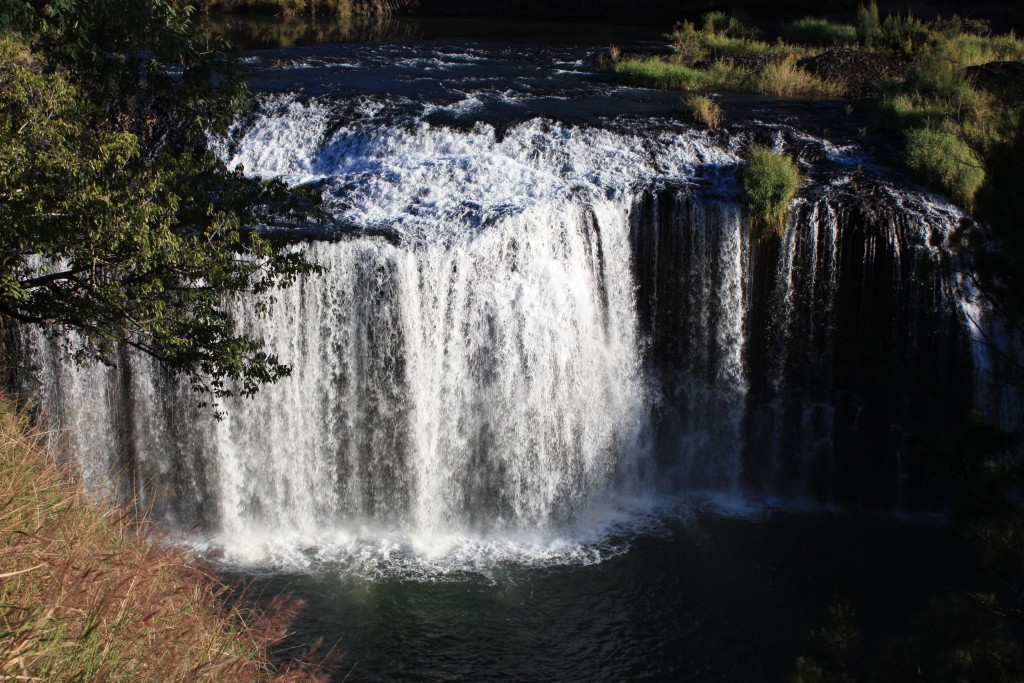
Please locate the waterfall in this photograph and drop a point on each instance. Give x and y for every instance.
(519, 328)
(494, 383)
(696, 280)
(797, 368)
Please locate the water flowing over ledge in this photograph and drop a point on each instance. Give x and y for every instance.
(529, 334)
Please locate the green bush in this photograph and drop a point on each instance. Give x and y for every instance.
(689, 44)
(900, 111)
(727, 25)
(946, 162)
(974, 49)
(770, 180)
(907, 34)
(722, 36)
(819, 32)
(722, 45)
(936, 72)
(869, 28)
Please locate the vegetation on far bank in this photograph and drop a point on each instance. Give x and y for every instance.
(86, 595)
(951, 121)
(726, 55)
(277, 32)
(782, 77)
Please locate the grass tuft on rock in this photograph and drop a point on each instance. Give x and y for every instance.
(705, 110)
(770, 181)
(786, 79)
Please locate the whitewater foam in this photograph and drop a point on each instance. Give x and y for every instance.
(435, 182)
(373, 552)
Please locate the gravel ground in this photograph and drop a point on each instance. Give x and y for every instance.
(864, 73)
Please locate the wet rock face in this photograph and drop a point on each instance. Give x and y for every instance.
(863, 72)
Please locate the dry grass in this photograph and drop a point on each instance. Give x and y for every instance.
(786, 79)
(657, 73)
(87, 595)
(705, 110)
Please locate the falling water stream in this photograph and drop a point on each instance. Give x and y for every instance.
(554, 413)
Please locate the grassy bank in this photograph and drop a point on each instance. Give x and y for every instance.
(85, 595)
(724, 55)
(935, 82)
(782, 78)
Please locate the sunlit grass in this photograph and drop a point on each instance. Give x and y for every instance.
(770, 181)
(782, 78)
(705, 110)
(786, 79)
(657, 73)
(85, 595)
(946, 162)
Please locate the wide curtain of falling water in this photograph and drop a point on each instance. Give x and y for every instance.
(493, 382)
(816, 365)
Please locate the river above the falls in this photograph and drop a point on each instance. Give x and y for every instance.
(554, 413)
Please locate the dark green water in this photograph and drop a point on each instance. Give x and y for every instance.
(705, 596)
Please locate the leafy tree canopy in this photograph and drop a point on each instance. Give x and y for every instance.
(117, 225)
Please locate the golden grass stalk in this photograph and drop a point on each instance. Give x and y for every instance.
(705, 110)
(87, 594)
(785, 79)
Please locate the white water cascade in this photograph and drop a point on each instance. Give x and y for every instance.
(518, 332)
(495, 383)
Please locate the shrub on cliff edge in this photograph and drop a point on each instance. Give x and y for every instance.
(946, 162)
(770, 180)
